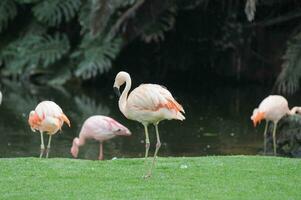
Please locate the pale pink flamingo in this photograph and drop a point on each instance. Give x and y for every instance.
(48, 118)
(147, 104)
(99, 128)
(272, 108)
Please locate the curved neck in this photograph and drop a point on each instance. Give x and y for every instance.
(294, 110)
(79, 141)
(124, 95)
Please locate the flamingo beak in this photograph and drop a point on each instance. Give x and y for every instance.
(127, 133)
(116, 90)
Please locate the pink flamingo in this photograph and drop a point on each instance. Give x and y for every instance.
(147, 104)
(272, 108)
(100, 128)
(48, 118)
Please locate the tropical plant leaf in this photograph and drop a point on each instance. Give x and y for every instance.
(34, 28)
(33, 51)
(95, 57)
(155, 30)
(61, 77)
(27, 1)
(8, 11)
(53, 12)
(84, 16)
(126, 15)
(102, 11)
(289, 79)
(100, 15)
(87, 107)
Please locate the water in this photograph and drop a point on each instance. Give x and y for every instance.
(217, 122)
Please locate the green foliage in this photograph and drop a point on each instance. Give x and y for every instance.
(289, 78)
(77, 38)
(84, 17)
(34, 51)
(82, 38)
(8, 11)
(103, 11)
(100, 14)
(87, 107)
(155, 31)
(95, 56)
(42, 45)
(27, 1)
(61, 75)
(53, 12)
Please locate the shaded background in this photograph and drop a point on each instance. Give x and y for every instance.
(219, 58)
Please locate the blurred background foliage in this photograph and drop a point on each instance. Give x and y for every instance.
(210, 41)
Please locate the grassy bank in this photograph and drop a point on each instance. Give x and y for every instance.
(227, 177)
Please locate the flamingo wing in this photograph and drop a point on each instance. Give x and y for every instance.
(48, 117)
(48, 108)
(50, 125)
(274, 107)
(97, 127)
(153, 97)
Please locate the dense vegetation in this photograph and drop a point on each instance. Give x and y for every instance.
(58, 41)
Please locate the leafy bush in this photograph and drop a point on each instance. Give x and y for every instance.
(53, 37)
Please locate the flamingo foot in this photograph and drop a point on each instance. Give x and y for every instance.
(47, 152)
(148, 175)
(42, 151)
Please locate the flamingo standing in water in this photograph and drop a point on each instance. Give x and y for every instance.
(100, 128)
(147, 104)
(272, 108)
(48, 118)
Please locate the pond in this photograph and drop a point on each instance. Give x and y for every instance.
(217, 122)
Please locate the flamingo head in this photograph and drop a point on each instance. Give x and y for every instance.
(33, 120)
(120, 79)
(121, 130)
(74, 149)
(257, 117)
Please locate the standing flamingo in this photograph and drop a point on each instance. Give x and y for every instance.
(147, 104)
(100, 128)
(48, 118)
(272, 108)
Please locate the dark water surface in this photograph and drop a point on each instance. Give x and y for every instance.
(217, 122)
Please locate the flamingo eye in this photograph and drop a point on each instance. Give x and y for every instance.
(118, 129)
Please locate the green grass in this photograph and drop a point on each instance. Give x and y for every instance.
(220, 177)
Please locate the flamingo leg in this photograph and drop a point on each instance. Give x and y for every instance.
(100, 157)
(48, 146)
(265, 137)
(274, 138)
(147, 143)
(158, 145)
(42, 145)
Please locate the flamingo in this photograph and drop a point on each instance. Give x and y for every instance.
(147, 104)
(272, 108)
(100, 128)
(48, 118)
